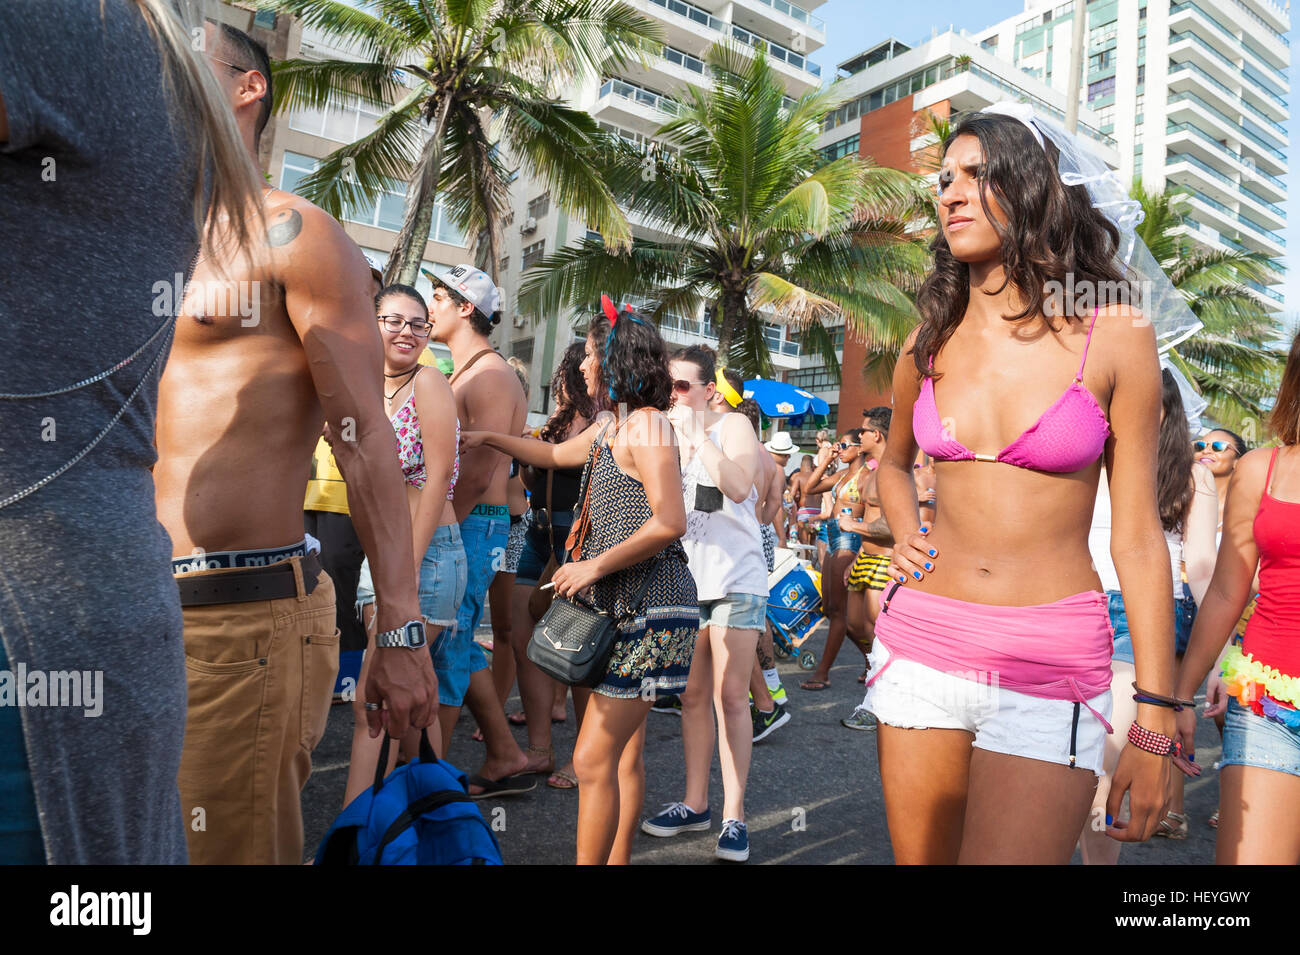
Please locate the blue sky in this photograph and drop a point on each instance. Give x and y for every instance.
(854, 25)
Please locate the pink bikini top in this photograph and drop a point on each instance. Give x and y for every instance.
(1068, 436)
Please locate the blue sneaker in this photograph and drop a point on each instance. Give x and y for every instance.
(676, 817)
(733, 844)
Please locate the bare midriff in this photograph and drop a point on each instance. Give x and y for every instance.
(1010, 536)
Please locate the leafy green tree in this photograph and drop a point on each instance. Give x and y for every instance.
(464, 85)
(756, 226)
(1234, 360)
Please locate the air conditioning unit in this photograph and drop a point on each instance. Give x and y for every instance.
(530, 225)
(520, 321)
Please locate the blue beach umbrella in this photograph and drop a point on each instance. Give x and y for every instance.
(777, 399)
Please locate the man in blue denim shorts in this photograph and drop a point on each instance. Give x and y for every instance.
(464, 308)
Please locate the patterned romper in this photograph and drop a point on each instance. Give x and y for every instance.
(657, 644)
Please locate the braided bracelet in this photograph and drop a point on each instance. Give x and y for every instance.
(1152, 742)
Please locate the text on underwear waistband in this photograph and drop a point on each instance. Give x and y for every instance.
(491, 510)
(236, 559)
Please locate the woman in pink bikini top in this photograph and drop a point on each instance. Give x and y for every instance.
(1016, 394)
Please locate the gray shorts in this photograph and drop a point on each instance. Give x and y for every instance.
(737, 611)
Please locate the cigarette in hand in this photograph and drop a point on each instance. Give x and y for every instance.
(547, 586)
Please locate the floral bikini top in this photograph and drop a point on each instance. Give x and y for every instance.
(410, 446)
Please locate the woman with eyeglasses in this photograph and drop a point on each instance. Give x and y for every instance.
(422, 409)
(846, 494)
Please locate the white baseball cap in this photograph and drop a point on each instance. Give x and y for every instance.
(474, 285)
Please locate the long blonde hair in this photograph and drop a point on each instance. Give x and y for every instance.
(226, 190)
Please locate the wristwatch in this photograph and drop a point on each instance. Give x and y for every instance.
(410, 635)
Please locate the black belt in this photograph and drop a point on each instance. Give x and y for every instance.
(248, 585)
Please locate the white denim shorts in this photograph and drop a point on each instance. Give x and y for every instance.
(910, 695)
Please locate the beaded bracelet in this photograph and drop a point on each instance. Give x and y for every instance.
(1152, 742)
(1154, 701)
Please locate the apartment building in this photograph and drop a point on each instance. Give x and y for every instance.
(633, 103)
(1195, 93)
(891, 91)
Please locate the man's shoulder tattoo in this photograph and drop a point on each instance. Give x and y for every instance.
(284, 228)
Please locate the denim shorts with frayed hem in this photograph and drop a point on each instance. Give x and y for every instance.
(1250, 740)
(737, 611)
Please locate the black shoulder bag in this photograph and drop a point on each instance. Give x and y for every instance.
(573, 641)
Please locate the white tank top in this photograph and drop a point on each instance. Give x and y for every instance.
(722, 542)
(1099, 545)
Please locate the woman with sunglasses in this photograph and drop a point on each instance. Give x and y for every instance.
(1220, 450)
(846, 497)
(1259, 771)
(422, 409)
(632, 530)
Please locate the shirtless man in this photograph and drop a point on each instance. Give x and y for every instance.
(271, 342)
(464, 307)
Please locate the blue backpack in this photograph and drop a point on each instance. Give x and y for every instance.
(420, 815)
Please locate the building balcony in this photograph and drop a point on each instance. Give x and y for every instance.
(1187, 170)
(633, 107)
(1187, 75)
(1190, 15)
(1187, 107)
(1186, 138)
(790, 24)
(1249, 233)
(1258, 31)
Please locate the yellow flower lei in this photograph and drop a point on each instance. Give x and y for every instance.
(1246, 677)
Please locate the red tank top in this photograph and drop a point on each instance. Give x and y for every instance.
(1273, 633)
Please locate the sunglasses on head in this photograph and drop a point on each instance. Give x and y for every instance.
(1215, 446)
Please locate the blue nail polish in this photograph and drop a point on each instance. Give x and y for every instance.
(929, 566)
(933, 552)
(902, 579)
(916, 574)
(1110, 820)
(925, 530)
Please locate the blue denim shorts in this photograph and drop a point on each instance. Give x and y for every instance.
(838, 540)
(485, 538)
(737, 611)
(1184, 617)
(1250, 740)
(537, 550)
(443, 574)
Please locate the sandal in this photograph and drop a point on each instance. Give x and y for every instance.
(815, 685)
(863, 679)
(562, 779)
(1213, 821)
(1175, 830)
(515, 785)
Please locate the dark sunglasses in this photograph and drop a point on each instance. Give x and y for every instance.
(1215, 446)
(684, 386)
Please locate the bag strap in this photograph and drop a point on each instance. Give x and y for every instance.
(469, 364)
(574, 543)
(550, 480)
(427, 755)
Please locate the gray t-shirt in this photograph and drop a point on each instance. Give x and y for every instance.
(95, 221)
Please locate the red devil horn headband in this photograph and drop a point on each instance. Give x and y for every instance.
(607, 304)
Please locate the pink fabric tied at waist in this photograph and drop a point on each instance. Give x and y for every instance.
(1056, 651)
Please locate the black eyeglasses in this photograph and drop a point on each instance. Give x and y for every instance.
(395, 323)
(1215, 446)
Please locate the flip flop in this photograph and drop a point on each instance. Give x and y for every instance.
(815, 685)
(863, 679)
(516, 719)
(565, 780)
(505, 786)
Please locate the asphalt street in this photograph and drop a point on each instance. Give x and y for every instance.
(814, 793)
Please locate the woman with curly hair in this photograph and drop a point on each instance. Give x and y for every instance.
(635, 519)
(991, 664)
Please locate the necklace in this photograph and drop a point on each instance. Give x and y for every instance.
(409, 375)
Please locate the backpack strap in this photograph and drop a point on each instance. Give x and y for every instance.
(427, 755)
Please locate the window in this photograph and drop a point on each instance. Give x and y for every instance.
(1142, 74)
(385, 213)
(812, 379)
(522, 348)
(1142, 13)
(539, 206)
(505, 263)
(1106, 117)
(343, 124)
(1064, 10)
(1141, 102)
(991, 44)
(533, 254)
(1100, 61)
(1098, 35)
(840, 149)
(1026, 26)
(264, 19)
(594, 236)
(1142, 45)
(1101, 89)
(684, 60)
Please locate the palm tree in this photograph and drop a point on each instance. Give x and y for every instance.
(449, 74)
(753, 219)
(1233, 361)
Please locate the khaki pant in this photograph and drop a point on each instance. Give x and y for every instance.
(261, 677)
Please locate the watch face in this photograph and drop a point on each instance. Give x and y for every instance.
(415, 635)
